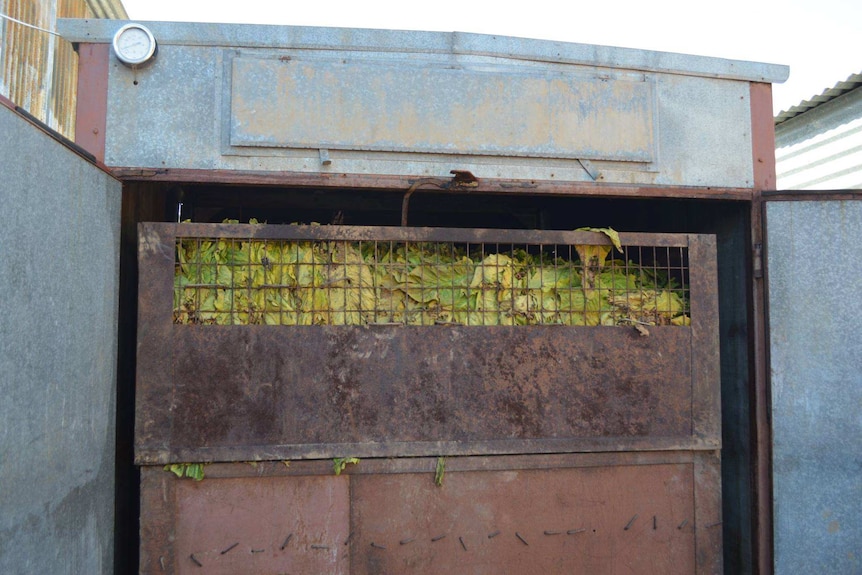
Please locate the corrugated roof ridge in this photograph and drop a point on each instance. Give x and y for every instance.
(852, 82)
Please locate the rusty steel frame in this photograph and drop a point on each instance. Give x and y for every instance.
(568, 513)
(235, 393)
(399, 184)
(764, 179)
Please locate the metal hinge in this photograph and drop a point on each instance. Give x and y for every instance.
(758, 261)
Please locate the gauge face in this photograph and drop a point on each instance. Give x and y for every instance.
(134, 44)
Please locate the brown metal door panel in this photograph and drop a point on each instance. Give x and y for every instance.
(591, 520)
(549, 514)
(242, 392)
(244, 526)
(344, 387)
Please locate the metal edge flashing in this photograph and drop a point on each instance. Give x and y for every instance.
(810, 195)
(460, 43)
(55, 135)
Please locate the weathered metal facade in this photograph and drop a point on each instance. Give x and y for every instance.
(58, 343)
(305, 120)
(238, 94)
(814, 307)
(39, 69)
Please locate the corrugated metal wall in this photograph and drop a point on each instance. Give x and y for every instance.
(822, 148)
(38, 70)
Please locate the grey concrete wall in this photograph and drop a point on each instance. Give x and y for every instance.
(59, 250)
(815, 310)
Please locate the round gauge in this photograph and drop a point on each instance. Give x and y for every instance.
(134, 44)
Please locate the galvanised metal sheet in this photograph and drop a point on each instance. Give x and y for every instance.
(293, 102)
(654, 512)
(58, 365)
(242, 392)
(815, 353)
(176, 113)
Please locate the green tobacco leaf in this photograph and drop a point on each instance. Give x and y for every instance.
(339, 463)
(192, 470)
(440, 471)
(612, 234)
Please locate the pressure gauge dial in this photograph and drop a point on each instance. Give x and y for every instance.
(134, 45)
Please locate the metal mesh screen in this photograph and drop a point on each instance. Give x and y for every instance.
(230, 281)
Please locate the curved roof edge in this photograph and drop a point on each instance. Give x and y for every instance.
(852, 82)
(361, 39)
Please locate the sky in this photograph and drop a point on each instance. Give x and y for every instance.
(821, 40)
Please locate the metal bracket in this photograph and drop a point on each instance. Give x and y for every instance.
(590, 169)
(325, 160)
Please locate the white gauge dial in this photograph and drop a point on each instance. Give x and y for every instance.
(134, 44)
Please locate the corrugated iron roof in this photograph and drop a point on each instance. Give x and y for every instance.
(851, 83)
(110, 9)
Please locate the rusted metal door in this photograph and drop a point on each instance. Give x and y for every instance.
(649, 512)
(589, 443)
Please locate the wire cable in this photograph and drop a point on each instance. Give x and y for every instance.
(11, 19)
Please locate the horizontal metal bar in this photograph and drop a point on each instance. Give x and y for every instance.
(418, 234)
(374, 466)
(811, 195)
(147, 456)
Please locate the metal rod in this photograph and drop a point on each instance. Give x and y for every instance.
(422, 182)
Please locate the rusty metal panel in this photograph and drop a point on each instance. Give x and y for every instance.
(38, 69)
(353, 105)
(242, 392)
(581, 513)
(601, 519)
(706, 395)
(261, 525)
(323, 389)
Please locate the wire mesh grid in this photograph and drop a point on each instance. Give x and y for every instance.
(230, 281)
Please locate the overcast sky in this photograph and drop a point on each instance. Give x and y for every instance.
(821, 40)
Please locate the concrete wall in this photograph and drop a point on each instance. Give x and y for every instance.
(815, 306)
(58, 334)
(343, 101)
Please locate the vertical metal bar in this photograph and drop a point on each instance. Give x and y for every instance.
(764, 178)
